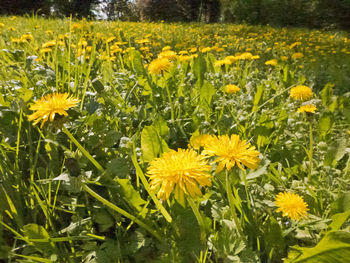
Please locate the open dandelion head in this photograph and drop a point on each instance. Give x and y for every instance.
(48, 106)
(159, 66)
(199, 141)
(182, 171)
(309, 108)
(272, 62)
(230, 88)
(231, 151)
(301, 92)
(291, 205)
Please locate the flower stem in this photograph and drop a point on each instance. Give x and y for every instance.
(200, 220)
(232, 205)
(172, 112)
(82, 149)
(148, 189)
(120, 211)
(310, 152)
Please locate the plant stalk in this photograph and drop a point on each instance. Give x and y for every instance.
(203, 235)
(121, 211)
(82, 149)
(232, 205)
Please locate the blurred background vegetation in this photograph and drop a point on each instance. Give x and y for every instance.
(326, 14)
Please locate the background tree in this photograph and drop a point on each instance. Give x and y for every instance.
(20, 7)
(120, 10)
(77, 8)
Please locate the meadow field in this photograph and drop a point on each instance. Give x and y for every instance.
(158, 142)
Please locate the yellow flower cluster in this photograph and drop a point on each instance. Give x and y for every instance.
(184, 169)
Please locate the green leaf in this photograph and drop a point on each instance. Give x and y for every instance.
(342, 203)
(334, 247)
(130, 193)
(136, 59)
(111, 138)
(273, 237)
(207, 92)
(152, 144)
(34, 231)
(339, 219)
(257, 97)
(325, 124)
(199, 69)
(118, 167)
(104, 220)
(335, 152)
(327, 93)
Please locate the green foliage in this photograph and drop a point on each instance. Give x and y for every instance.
(76, 189)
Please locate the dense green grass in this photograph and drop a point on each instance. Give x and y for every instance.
(75, 190)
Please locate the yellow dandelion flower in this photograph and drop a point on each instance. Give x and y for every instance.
(284, 58)
(206, 49)
(291, 205)
(181, 171)
(199, 141)
(171, 55)
(48, 106)
(230, 89)
(297, 55)
(222, 62)
(45, 50)
(272, 62)
(49, 44)
(231, 151)
(185, 58)
(166, 48)
(246, 55)
(307, 108)
(159, 66)
(301, 92)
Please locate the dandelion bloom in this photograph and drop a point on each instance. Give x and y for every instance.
(307, 108)
(45, 50)
(231, 89)
(291, 205)
(159, 65)
(272, 62)
(171, 55)
(297, 55)
(199, 141)
(206, 49)
(49, 44)
(47, 107)
(231, 151)
(182, 170)
(301, 93)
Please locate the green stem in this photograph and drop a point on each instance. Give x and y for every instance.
(82, 149)
(232, 205)
(149, 191)
(200, 220)
(246, 188)
(121, 211)
(310, 152)
(171, 103)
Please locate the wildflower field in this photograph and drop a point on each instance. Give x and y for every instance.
(156, 142)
